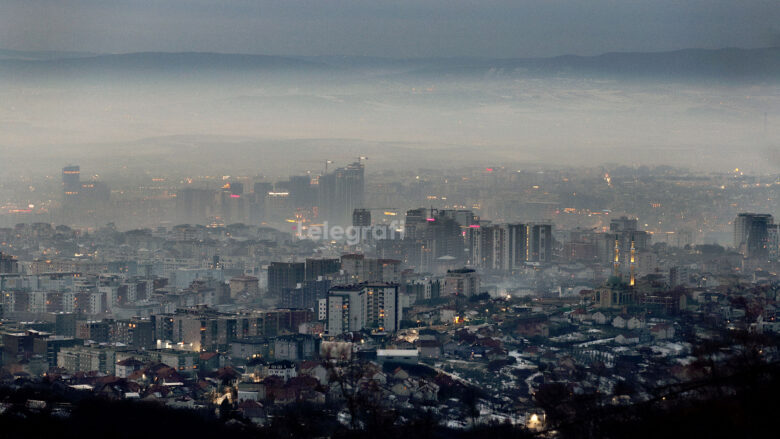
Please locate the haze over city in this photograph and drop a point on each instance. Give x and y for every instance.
(347, 219)
(385, 79)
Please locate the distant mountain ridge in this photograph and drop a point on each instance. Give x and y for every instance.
(158, 61)
(727, 64)
(730, 63)
(42, 54)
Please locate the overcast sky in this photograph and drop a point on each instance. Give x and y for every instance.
(397, 28)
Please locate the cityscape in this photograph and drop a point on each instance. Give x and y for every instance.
(389, 219)
(603, 281)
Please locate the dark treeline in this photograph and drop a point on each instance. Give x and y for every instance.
(732, 400)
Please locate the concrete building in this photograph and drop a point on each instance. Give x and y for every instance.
(296, 347)
(374, 306)
(246, 286)
(136, 332)
(283, 275)
(284, 369)
(461, 282)
(407, 356)
(752, 234)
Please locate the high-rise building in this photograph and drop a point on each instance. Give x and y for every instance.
(517, 246)
(202, 328)
(352, 186)
(374, 306)
(8, 264)
(236, 188)
(136, 332)
(539, 248)
(774, 242)
(414, 223)
(84, 199)
(71, 182)
(433, 241)
(283, 275)
(465, 218)
(340, 193)
(327, 199)
(257, 210)
(492, 247)
(197, 329)
(316, 268)
(194, 206)
(752, 234)
(358, 269)
(581, 246)
(278, 205)
(301, 191)
(233, 206)
(262, 188)
(361, 218)
(496, 247)
(65, 324)
(306, 295)
(93, 330)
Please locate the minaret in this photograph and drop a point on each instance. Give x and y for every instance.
(632, 264)
(616, 263)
